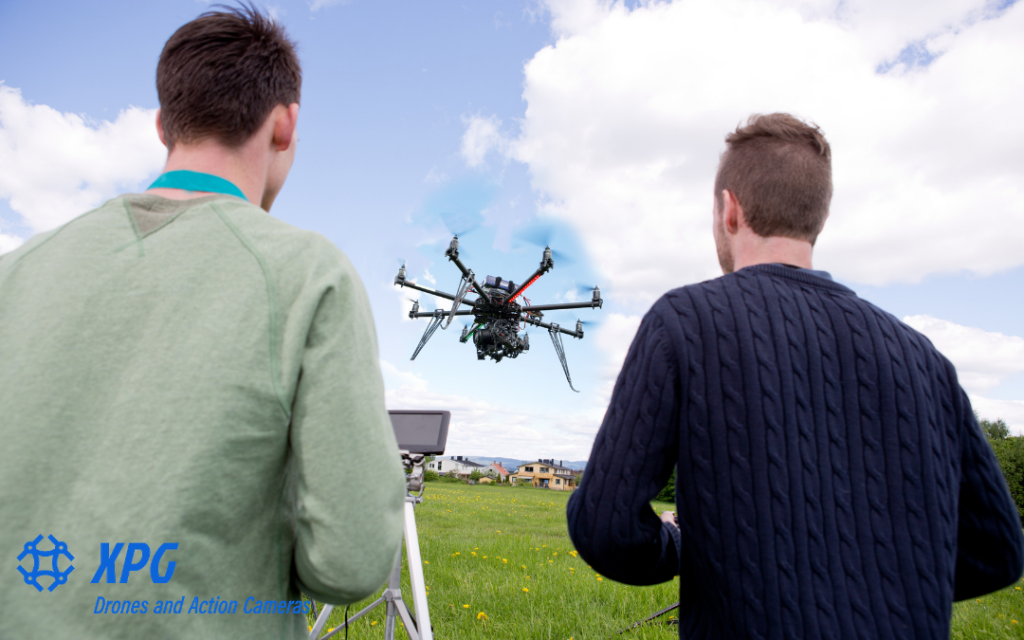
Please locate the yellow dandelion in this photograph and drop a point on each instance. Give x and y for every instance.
(485, 557)
(373, 623)
(600, 579)
(525, 590)
(523, 566)
(465, 606)
(1013, 621)
(505, 560)
(473, 552)
(481, 616)
(544, 545)
(1017, 588)
(426, 562)
(555, 553)
(527, 577)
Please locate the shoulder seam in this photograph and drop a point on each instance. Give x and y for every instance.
(275, 365)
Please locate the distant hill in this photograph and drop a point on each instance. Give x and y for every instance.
(512, 463)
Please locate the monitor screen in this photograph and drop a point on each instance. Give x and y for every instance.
(421, 431)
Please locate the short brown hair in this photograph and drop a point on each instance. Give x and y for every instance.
(222, 74)
(780, 170)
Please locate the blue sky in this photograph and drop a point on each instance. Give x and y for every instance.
(602, 122)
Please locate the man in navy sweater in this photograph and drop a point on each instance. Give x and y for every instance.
(832, 479)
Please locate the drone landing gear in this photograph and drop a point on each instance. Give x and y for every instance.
(556, 339)
(465, 284)
(435, 322)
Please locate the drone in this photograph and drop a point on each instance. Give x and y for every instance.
(498, 318)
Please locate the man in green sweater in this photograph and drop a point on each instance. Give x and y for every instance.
(192, 419)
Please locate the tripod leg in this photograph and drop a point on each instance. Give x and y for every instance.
(321, 621)
(419, 591)
(408, 620)
(352, 619)
(650, 617)
(392, 594)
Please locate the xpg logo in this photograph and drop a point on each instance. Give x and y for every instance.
(136, 558)
(59, 549)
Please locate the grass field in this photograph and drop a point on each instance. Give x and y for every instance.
(498, 563)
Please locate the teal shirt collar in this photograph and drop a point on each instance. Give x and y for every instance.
(195, 181)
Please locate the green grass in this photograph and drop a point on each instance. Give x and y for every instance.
(506, 552)
(997, 615)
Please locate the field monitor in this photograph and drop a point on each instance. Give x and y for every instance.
(423, 432)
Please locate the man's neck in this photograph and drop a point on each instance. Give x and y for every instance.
(753, 249)
(240, 166)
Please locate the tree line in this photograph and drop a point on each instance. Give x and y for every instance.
(1009, 452)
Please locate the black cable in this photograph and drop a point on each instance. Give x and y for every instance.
(346, 621)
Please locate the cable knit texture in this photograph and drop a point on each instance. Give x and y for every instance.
(832, 479)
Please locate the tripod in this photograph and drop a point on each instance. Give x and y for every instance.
(654, 615)
(392, 596)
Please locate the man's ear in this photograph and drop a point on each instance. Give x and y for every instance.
(160, 128)
(284, 127)
(732, 212)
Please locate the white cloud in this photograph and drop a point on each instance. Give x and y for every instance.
(983, 359)
(627, 113)
(55, 166)
(9, 242)
(1009, 411)
(482, 136)
(479, 427)
(613, 338)
(317, 5)
(435, 176)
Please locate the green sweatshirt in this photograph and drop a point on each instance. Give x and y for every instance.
(192, 373)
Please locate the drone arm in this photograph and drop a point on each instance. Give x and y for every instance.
(466, 273)
(568, 305)
(551, 327)
(544, 268)
(444, 314)
(433, 292)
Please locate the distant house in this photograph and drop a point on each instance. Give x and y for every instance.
(499, 471)
(547, 474)
(460, 465)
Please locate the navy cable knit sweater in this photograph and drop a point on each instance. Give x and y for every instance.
(832, 480)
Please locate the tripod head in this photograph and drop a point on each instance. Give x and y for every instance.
(413, 464)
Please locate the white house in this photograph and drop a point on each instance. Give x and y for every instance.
(460, 465)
